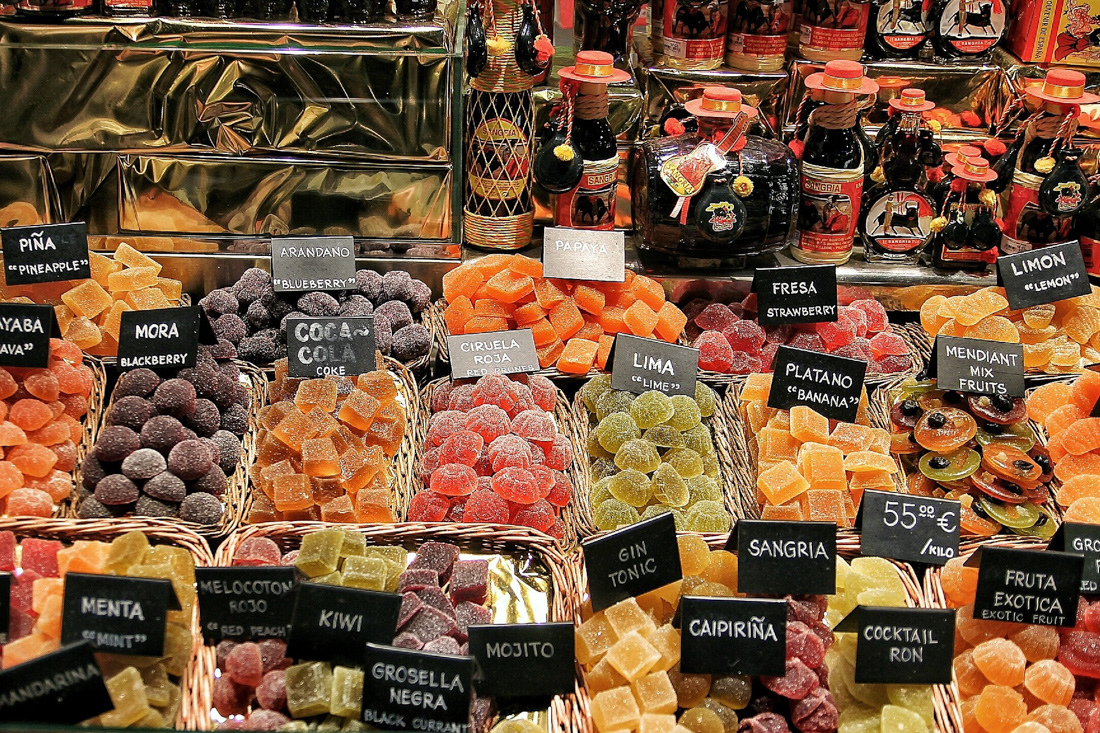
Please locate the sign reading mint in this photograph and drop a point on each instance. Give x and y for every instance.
(245, 603)
(910, 528)
(632, 560)
(798, 558)
(409, 690)
(804, 294)
(312, 263)
(25, 332)
(64, 687)
(341, 346)
(164, 338)
(477, 354)
(1043, 275)
(115, 614)
(46, 253)
(977, 365)
(830, 385)
(583, 254)
(639, 365)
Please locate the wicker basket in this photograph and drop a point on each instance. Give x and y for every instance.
(847, 547)
(91, 423)
(947, 696)
(193, 696)
(572, 517)
(883, 399)
(733, 460)
(402, 462)
(488, 538)
(1041, 433)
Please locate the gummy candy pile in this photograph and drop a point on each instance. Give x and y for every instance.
(869, 708)
(41, 428)
(494, 454)
(653, 454)
(1022, 678)
(89, 312)
(252, 316)
(808, 466)
(145, 691)
(259, 688)
(324, 449)
(168, 445)
(630, 654)
(978, 449)
(1058, 338)
(574, 322)
(1073, 442)
(731, 341)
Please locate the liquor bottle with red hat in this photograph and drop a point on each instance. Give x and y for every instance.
(967, 232)
(836, 158)
(897, 213)
(967, 28)
(719, 196)
(590, 202)
(897, 29)
(1041, 171)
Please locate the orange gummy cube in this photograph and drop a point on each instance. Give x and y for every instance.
(83, 332)
(83, 556)
(339, 509)
(172, 288)
(112, 324)
(590, 331)
(547, 294)
(508, 286)
(293, 429)
(292, 492)
(525, 265)
(458, 314)
(589, 299)
(130, 257)
(373, 505)
(648, 291)
(826, 506)
(493, 308)
(147, 299)
(809, 426)
(578, 355)
(640, 319)
(486, 324)
(319, 457)
(133, 278)
(823, 466)
(549, 353)
(320, 393)
(786, 513)
(101, 267)
(611, 319)
(776, 444)
(27, 648)
(464, 280)
(602, 354)
(49, 618)
(543, 333)
(528, 313)
(566, 319)
(359, 410)
(87, 299)
(757, 388)
(378, 384)
(781, 483)
(670, 322)
(490, 265)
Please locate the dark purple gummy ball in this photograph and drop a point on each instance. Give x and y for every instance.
(139, 382)
(201, 508)
(215, 451)
(258, 349)
(369, 284)
(253, 285)
(284, 323)
(131, 412)
(115, 443)
(355, 306)
(115, 490)
(318, 304)
(229, 448)
(420, 296)
(162, 433)
(147, 506)
(189, 459)
(396, 312)
(176, 397)
(230, 327)
(211, 482)
(142, 464)
(92, 508)
(230, 371)
(411, 342)
(91, 471)
(383, 333)
(206, 418)
(235, 419)
(220, 301)
(166, 486)
(395, 285)
(257, 316)
(204, 378)
(224, 350)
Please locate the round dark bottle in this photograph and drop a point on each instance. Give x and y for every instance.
(966, 28)
(970, 237)
(896, 29)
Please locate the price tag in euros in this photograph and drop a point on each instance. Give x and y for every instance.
(909, 528)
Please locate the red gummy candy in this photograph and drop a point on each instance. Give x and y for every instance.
(534, 425)
(22, 593)
(779, 334)
(560, 453)
(230, 698)
(745, 336)
(443, 425)
(539, 515)
(888, 344)
(40, 556)
(856, 317)
(245, 664)
(745, 363)
(875, 313)
(816, 713)
(488, 421)
(428, 464)
(804, 644)
(715, 353)
(544, 479)
(486, 506)
(271, 692)
(798, 681)
(767, 356)
(562, 492)
(462, 447)
(543, 392)
(428, 506)
(509, 451)
(494, 389)
(254, 551)
(461, 398)
(1080, 653)
(441, 396)
(458, 508)
(807, 340)
(516, 484)
(715, 317)
(748, 305)
(453, 479)
(7, 552)
(835, 334)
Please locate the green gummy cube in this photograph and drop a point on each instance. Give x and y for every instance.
(320, 552)
(308, 687)
(128, 695)
(369, 573)
(354, 724)
(125, 552)
(354, 544)
(390, 553)
(347, 692)
(157, 686)
(329, 579)
(331, 722)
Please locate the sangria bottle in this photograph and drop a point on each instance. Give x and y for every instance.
(693, 33)
(968, 236)
(896, 28)
(835, 160)
(757, 38)
(966, 28)
(833, 29)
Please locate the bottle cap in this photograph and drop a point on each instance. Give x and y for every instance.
(912, 100)
(1063, 86)
(720, 102)
(595, 67)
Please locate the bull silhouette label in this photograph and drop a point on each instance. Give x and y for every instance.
(759, 27)
(900, 23)
(834, 25)
(972, 26)
(828, 211)
(899, 221)
(591, 205)
(694, 30)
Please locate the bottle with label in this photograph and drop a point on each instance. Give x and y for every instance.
(1087, 228)
(693, 34)
(757, 39)
(835, 160)
(53, 9)
(590, 204)
(897, 218)
(178, 8)
(605, 25)
(967, 236)
(896, 28)
(966, 28)
(129, 8)
(833, 29)
(1034, 158)
(714, 197)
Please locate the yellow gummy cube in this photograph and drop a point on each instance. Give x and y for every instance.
(112, 324)
(666, 640)
(130, 257)
(782, 483)
(147, 299)
(655, 693)
(88, 299)
(101, 267)
(593, 638)
(632, 656)
(626, 616)
(603, 677)
(809, 426)
(172, 288)
(64, 316)
(615, 710)
(83, 333)
(134, 278)
(653, 723)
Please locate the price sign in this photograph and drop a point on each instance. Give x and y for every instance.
(910, 528)
(583, 254)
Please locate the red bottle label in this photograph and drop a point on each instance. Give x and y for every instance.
(759, 28)
(844, 31)
(972, 26)
(694, 32)
(591, 205)
(1026, 221)
(900, 221)
(900, 23)
(828, 209)
(1090, 252)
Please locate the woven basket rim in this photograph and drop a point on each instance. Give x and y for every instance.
(233, 499)
(192, 696)
(464, 535)
(401, 461)
(570, 516)
(731, 459)
(92, 424)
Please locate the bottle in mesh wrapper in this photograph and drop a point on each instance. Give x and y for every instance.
(757, 38)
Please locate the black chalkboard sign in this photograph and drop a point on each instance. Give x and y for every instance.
(25, 332)
(784, 557)
(1045, 275)
(632, 560)
(341, 346)
(115, 614)
(246, 603)
(331, 623)
(830, 385)
(45, 253)
(910, 528)
(803, 294)
(64, 687)
(411, 690)
(733, 636)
